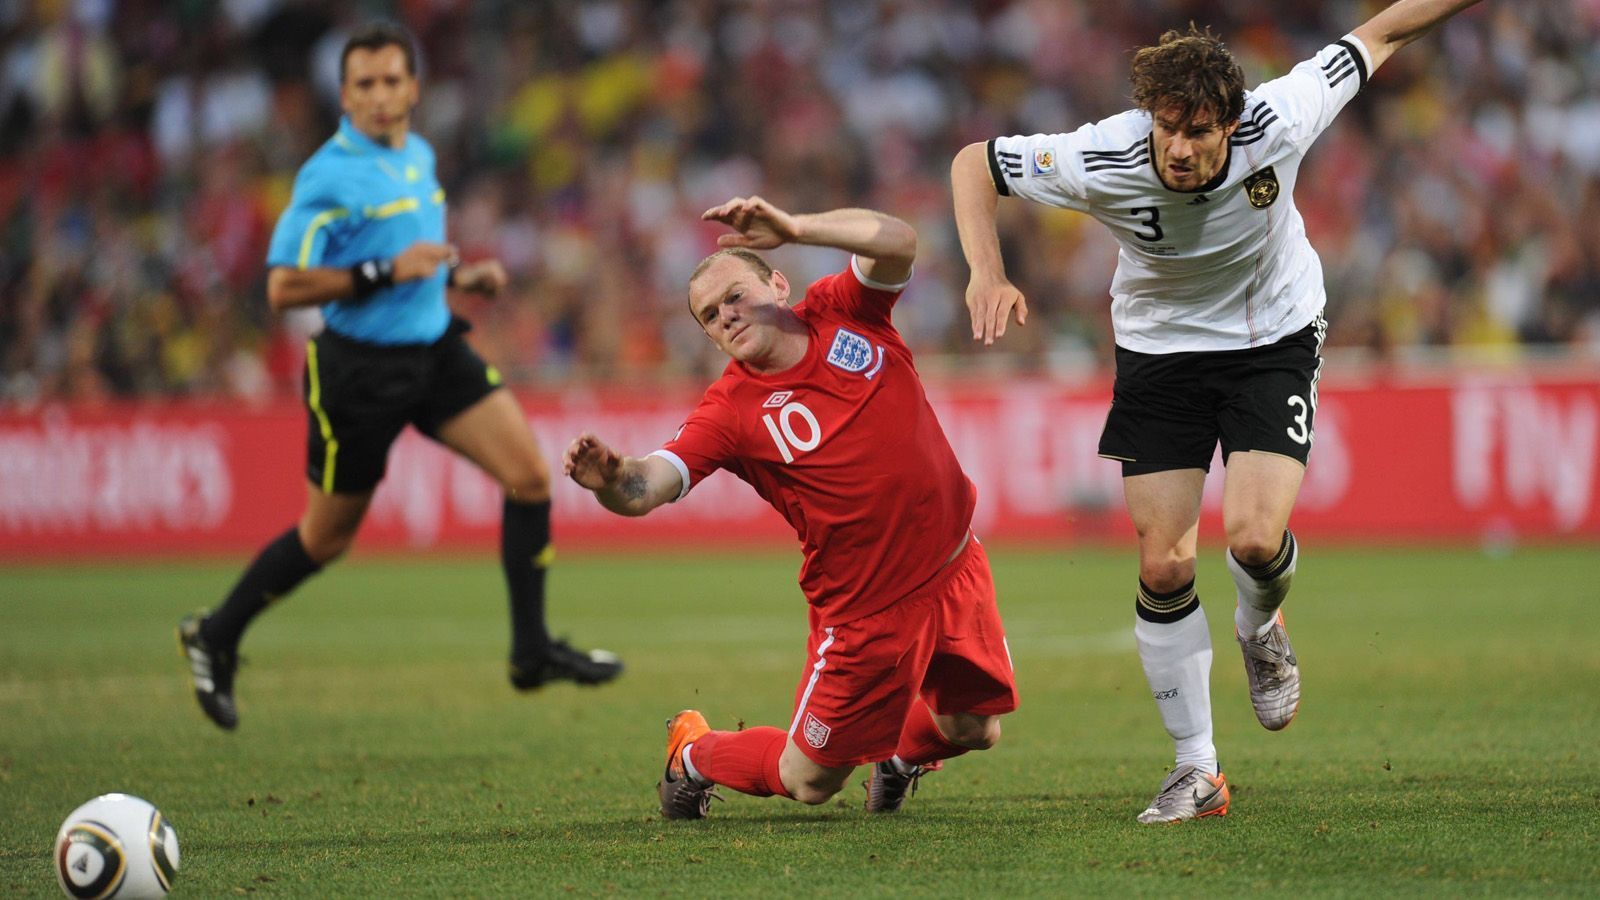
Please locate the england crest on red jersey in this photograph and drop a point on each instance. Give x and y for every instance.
(850, 351)
(816, 733)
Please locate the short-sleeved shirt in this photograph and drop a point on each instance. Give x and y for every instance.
(355, 200)
(1225, 267)
(845, 446)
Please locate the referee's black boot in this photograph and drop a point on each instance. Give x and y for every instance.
(563, 662)
(212, 670)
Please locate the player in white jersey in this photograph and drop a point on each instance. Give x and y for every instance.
(1216, 308)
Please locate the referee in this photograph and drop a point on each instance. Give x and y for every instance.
(364, 238)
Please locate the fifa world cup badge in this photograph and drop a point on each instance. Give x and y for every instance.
(1262, 188)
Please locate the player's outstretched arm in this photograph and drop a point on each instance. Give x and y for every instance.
(1402, 23)
(885, 245)
(626, 485)
(991, 298)
(288, 287)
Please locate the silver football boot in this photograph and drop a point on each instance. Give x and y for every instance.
(1274, 675)
(1188, 793)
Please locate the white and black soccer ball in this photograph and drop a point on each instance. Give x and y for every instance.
(116, 845)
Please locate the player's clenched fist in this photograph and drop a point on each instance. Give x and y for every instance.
(991, 303)
(590, 462)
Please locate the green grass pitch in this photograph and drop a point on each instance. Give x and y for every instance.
(1448, 742)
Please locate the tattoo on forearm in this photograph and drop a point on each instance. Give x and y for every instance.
(632, 486)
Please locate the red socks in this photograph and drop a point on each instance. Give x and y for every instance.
(746, 761)
(920, 740)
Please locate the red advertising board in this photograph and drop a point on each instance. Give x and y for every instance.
(1469, 457)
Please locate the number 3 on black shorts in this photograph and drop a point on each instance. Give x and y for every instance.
(1299, 432)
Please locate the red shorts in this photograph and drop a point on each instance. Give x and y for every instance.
(943, 645)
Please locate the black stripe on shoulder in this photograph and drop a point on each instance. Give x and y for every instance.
(1126, 154)
(1255, 131)
(1103, 165)
(1360, 61)
(1340, 72)
(999, 180)
(1251, 115)
(1136, 148)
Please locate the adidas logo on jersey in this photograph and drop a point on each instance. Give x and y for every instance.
(1202, 198)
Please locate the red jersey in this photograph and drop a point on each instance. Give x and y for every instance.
(845, 446)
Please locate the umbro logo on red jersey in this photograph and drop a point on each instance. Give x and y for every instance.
(778, 398)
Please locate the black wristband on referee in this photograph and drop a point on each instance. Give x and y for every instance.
(372, 275)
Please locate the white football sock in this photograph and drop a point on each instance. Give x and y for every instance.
(1259, 600)
(1177, 663)
(690, 770)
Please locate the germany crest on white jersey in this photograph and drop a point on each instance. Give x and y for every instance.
(1225, 267)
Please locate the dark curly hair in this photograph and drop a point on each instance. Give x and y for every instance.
(1191, 70)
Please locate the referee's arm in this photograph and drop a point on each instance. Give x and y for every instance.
(289, 287)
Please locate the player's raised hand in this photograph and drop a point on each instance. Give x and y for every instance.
(761, 225)
(992, 303)
(590, 462)
(486, 277)
(422, 260)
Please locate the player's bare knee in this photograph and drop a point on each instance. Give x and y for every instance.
(990, 735)
(1255, 546)
(532, 485)
(980, 737)
(325, 548)
(1167, 573)
(812, 784)
(813, 793)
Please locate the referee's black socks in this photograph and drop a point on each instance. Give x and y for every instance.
(524, 553)
(277, 569)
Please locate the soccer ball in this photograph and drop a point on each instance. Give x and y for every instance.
(116, 845)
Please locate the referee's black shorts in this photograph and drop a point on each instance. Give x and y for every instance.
(1168, 410)
(360, 395)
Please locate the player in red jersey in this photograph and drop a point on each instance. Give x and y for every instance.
(822, 412)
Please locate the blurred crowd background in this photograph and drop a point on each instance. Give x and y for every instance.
(146, 149)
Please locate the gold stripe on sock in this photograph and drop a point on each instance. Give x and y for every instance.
(1165, 605)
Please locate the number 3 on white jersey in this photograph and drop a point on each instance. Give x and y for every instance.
(783, 434)
(1298, 433)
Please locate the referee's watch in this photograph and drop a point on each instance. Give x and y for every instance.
(371, 276)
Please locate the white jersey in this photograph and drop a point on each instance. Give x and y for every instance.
(1225, 267)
